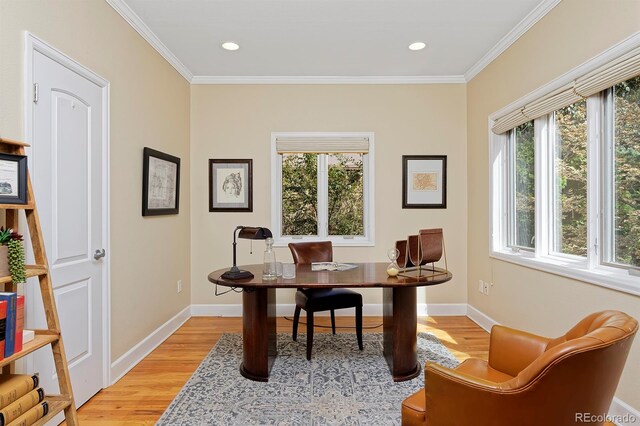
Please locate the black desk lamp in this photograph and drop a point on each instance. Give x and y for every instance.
(248, 233)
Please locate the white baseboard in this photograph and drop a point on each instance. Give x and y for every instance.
(213, 310)
(480, 318)
(126, 362)
(371, 309)
(622, 414)
(442, 309)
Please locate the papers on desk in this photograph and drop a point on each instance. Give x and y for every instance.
(331, 266)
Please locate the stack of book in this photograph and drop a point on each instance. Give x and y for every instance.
(11, 323)
(21, 400)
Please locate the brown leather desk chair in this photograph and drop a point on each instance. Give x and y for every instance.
(322, 299)
(529, 379)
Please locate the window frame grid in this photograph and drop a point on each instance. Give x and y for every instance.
(368, 205)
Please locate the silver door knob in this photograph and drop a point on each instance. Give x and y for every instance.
(99, 254)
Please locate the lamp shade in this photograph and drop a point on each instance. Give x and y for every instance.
(254, 233)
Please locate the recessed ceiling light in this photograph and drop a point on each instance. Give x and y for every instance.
(417, 45)
(229, 45)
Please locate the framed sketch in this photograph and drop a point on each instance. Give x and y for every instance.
(424, 181)
(13, 179)
(160, 183)
(230, 185)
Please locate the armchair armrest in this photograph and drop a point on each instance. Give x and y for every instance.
(510, 350)
(456, 398)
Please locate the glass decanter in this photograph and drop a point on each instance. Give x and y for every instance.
(393, 269)
(269, 271)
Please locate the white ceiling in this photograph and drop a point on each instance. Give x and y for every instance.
(330, 38)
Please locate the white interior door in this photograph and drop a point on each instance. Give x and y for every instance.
(67, 174)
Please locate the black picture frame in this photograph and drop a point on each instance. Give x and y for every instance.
(160, 183)
(230, 185)
(424, 181)
(13, 179)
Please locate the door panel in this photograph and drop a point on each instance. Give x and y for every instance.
(73, 302)
(70, 201)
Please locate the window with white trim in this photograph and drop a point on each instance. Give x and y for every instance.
(322, 188)
(565, 175)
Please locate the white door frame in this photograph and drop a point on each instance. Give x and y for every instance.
(34, 44)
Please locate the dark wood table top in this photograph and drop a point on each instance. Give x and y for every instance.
(364, 275)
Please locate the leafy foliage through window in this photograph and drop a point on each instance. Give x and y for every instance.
(626, 174)
(522, 181)
(570, 180)
(344, 184)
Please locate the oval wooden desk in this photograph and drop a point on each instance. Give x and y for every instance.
(400, 321)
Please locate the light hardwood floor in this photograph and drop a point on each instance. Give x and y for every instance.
(142, 395)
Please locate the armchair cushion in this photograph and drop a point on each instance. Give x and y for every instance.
(481, 369)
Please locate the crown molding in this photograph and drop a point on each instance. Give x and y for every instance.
(518, 31)
(134, 20)
(444, 79)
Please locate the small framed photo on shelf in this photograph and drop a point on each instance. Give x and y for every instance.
(424, 181)
(13, 179)
(231, 185)
(160, 183)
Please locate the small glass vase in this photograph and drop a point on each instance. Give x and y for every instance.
(269, 270)
(393, 269)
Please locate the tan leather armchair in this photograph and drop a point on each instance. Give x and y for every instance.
(529, 379)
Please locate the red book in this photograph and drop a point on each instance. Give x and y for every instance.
(19, 322)
(3, 326)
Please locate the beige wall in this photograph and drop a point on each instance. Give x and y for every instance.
(149, 107)
(570, 34)
(236, 122)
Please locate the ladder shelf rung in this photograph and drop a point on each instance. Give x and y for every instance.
(57, 403)
(31, 271)
(42, 338)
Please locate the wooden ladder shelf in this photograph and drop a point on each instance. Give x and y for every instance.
(51, 336)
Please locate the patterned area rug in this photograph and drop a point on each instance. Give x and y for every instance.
(339, 386)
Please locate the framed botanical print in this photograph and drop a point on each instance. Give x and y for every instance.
(424, 181)
(231, 185)
(160, 183)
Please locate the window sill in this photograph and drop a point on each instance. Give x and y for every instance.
(612, 278)
(335, 241)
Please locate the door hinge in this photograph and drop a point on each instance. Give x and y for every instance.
(35, 93)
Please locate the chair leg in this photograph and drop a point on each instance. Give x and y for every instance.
(309, 334)
(296, 319)
(359, 325)
(333, 321)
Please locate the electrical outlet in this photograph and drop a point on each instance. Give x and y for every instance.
(179, 286)
(481, 286)
(486, 288)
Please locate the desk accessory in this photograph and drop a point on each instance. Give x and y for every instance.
(270, 266)
(393, 268)
(421, 250)
(248, 233)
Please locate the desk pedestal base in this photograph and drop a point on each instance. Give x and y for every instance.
(258, 333)
(400, 326)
